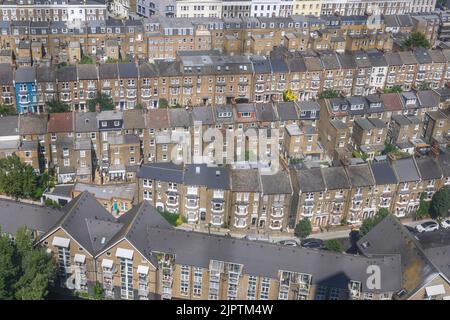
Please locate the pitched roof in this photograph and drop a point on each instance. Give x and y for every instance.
(133, 119)
(405, 170)
(383, 173)
(33, 124)
(158, 118)
(360, 175)
(161, 171)
(6, 74)
(335, 178)
(278, 183)
(9, 126)
(267, 259)
(60, 122)
(87, 221)
(245, 180)
(203, 175)
(15, 215)
(85, 121)
(310, 180)
(390, 237)
(428, 168)
(204, 114)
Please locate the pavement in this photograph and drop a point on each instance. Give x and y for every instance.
(338, 232)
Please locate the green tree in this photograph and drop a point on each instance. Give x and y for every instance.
(8, 268)
(19, 180)
(424, 207)
(7, 110)
(139, 106)
(103, 100)
(303, 228)
(393, 89)
(440, 203)
(425, 86)
(110, 60)
(333, 245)
(328, 94)
(389, 147)
(289, 95)
(86, 60)
(98, 291)
(369, 223)
(29, 270)
(163, 103)
(56, 106)
(416, 40)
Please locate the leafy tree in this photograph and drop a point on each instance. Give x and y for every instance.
(139, 106)
(98, 291)
(416, 40)
(52, 204)
(303, 228)
(103, 100)
(425, 86)
(289, 95)
(163, 103)
(86, 60)
(328, 94)
(393, 89)
(18, 180)
(389, 147)
(8, 268)
(111, 60)
(424, 207)
(369, 223)
(333, 245)
(440, 203)
(7, 110)
(56, 106)
(28, 270)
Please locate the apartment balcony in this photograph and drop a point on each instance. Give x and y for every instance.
(217, 210)
(277, 213)
(307, 214)
(171, 203)
(240, 211)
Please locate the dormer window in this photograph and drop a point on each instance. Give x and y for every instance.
(245, 114)
(116, 123)
(104, 124)
(224, 114)
(411, 101)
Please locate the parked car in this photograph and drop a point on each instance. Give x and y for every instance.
(289, 243)
(446, 223)
(312, 243)
(427, 226)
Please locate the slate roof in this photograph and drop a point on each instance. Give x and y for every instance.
(287, 111)
(444, 162)
(428, 168)
(390, 237)
(204, 114)
(335, 178)
(87, 72)
(25, 74)
(33, 124)
(45, 74)
(267, 259)
(87, 221)
(14, 215)
(203, 175)
(383, 173)
(9, 126)
(85, 122)
(405, 170)
(133, 119)
(265, 112)
(310, 180)
(245, 180)
(6, 74)
(179, 118)
(162, 171)
(360, 175)
(66, 74)
(278, 183)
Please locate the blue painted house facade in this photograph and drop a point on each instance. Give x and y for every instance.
(26, 90)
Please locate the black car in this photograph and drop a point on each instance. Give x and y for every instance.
(312, 243)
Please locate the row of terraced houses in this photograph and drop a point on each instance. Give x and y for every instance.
(211, 78)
